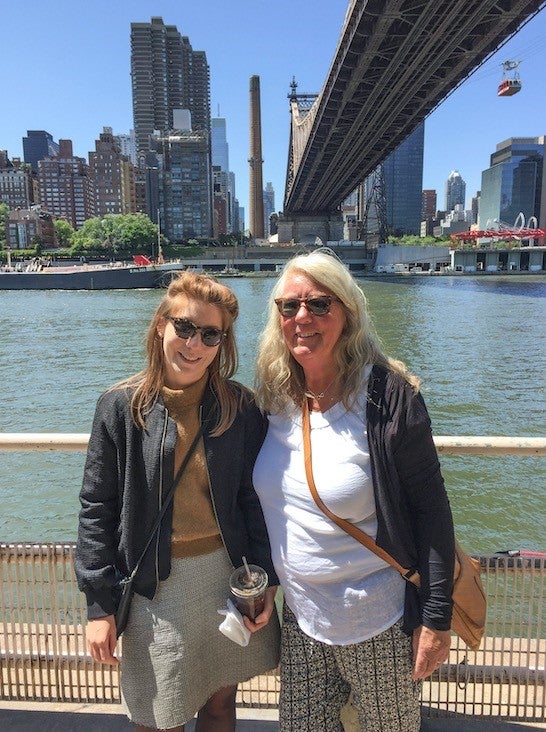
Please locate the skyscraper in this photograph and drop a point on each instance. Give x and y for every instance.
(403, 175)
(219, 143)
(166, 74)
(269, 206)
(515, 183)
(37, 145)
(455, 191)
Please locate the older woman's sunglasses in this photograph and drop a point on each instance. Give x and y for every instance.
(288, 307)
(185, 329)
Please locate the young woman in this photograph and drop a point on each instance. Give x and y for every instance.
(175, 661)
(350, 623)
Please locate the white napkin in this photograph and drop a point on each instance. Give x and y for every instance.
(233, 626)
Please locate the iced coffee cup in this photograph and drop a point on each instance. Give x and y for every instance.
(247, 588)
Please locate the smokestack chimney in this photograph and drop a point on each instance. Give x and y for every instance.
(255, 161)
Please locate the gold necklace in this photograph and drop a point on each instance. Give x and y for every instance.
(322, 394)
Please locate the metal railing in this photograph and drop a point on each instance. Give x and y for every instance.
(42, 622)
(458, 445)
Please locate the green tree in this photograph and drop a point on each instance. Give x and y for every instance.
(4, 211)
(64, 233)
(116, 234)
(89, 238)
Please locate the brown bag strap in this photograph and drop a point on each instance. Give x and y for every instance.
(411, 575)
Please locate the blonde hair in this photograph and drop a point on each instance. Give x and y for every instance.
(148, 383)
(280, 380)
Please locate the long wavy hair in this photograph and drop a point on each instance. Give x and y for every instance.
(147, 384)
(279, 379)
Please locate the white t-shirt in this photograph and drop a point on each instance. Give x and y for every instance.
(340, 592)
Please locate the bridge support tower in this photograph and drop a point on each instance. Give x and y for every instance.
(307, 228)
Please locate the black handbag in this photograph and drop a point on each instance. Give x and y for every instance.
(125, 588)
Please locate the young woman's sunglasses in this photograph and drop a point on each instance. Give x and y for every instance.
(288, 307)
(185, 329)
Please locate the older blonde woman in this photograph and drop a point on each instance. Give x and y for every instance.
(175, 661)
(351, 622)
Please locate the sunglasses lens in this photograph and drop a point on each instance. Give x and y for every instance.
(211, 336)
(319, 305)
(184, 329)
(288, 308)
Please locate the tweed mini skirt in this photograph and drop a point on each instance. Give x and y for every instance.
(173, 655)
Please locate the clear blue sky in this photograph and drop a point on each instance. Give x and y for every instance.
(66, 69)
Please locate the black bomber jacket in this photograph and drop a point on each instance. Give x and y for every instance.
(413, 514)
(127, 473)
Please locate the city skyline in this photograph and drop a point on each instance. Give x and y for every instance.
(74, 88)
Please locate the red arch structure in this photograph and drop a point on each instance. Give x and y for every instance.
(508, 233)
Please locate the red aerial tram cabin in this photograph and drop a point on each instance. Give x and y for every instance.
(509, 85)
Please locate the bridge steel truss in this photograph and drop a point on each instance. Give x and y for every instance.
(395, 62)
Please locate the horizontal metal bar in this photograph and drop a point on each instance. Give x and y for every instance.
(41, 441)
(446, 445)
(485, 445)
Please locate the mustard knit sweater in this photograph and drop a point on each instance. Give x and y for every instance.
(194, 528)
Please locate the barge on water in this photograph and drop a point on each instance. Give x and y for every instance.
(111, 276)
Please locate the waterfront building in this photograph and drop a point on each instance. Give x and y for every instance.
(455, 191)
(183, 184)
(27, 227)
(66, 186)
(16, 188)
(113, 177)
(514, 183)
(269, 206)
(37, 145)
(166, 74)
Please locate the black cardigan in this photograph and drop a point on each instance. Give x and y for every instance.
(414, 517)
(127, 472)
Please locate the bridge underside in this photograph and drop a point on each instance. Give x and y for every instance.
(396, 61)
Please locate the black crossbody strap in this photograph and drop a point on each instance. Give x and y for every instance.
(169, 496)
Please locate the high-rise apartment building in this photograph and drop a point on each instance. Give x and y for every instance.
(455, 191)
(515, 183)
(166, 74)
(66, 187)
(184, 184)
(113, 177)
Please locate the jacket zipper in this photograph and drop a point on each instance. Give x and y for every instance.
(212, 499)
(160, 499)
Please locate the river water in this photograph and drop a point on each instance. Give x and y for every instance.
(478, 343)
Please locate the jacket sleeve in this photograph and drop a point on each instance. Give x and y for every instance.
(98, 527)
(423, 486)
(258, 538)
